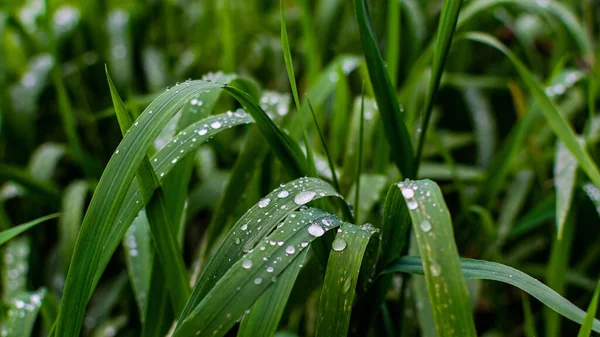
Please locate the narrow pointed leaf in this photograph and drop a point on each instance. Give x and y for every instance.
(9, 234)
(586, 326)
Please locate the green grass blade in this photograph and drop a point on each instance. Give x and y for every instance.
(445, 32)
(393, 40)
(44, 161)
(529, 323)
(255, 224)
(586, 326)
(557, 122)
(485, 270)
(187, 141)
(337, 295)
(22, 313)
(266, 312)
(289, 65)
(161, 229)
(446, 285)
(107, 199)
(394, 226)
(329, 160)
(282, 145)
(73, 205)
(138, 257)
(15, 267)
(565, 174)
(11, 233)
(391, 115)
(359, 158)
(250, 276)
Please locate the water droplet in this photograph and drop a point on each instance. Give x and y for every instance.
(270, 269)
(283, 194)
(264, 202)
(304, 244)
(258, 280)
(215, 124)
(247, 264)
(244, 226)
(315, 230)
(435, 269)
(425, 226)
(408, 193)
(290, 250)
(174, 161)
(202, 132)
(347, 284)
(117, 151)
(412, 204)
(338, 244)
(304, 197)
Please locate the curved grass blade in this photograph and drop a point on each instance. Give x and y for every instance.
(446, 285)
(486, 270)
(283, 146)
(559, 125)
(446, 27)
(187, 141)
(256, 271)
(391, 115)
(252, 227)
(73, 204)
(337, 295)
(44, 160)
(22, 314)
(586, 326)
(107, 199)
(9, 234)
(266, 312)
(138, 257)
(161, 229)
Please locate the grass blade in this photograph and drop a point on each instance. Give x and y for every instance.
(329, 160)
(161, 229)
(446, 27)
(107, 199)
(11, 233)
(255, 224)
(391, 115)
(15, 267)
(486, 270)
(565, 174)
(73, 205)
(250, 276)
(559, 125)
(337, 295)
(586, 326)
(446, 285)
(266, 312)
(138, 257)
(22, 314)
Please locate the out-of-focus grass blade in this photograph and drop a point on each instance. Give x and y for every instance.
(252, 227)
(593, 193)
(120, 56)
(289, 65)
(138, 256)
(391, 115)
(445, 31)
(22, 314)
(337, 295)
(104, 301)
(15, 267)
(313, 57)
(161, 229)
(446, 285)
(283, 146)
(394, 226)
(586, 326)
(253, 273)
(329, 160)
(187, 141)
(393, 40)
(44, 160)
(371, 190)
(106, 201)
(484, 124)
(46, 189)
(9, 234)
(565, 169)
(556, 121)
(73, 204)
(266, 312)
(485, 270)
(529, 323)
(110, 327)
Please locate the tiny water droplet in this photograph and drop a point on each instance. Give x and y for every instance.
(270, 269)
(258, 280)
(304, 244)
(339, 244)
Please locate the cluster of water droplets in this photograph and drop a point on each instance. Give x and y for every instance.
(593, 193)
(16, 266)
(559, 88)
(21, 306)
(65, 19)
(275, 103)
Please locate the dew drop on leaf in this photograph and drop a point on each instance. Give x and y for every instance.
(425, 226)
(258, 280)
(315, 230)
(412, 204)
(264, 202)
(338, 244)
(283, 194)
(290, 249)
(408, 193)
(247, 264)
(304, 197)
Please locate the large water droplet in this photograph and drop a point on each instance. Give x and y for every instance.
(247, 264)
(202, 132)
(304, 197)
(264, 202)
(338, 244)
(290, 249)
(244, 226)
(408, 192)
(283, 194)
(412, 204)
(315, 230)
(425, 226)
(215, 124)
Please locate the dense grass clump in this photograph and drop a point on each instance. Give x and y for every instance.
(302, 168)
